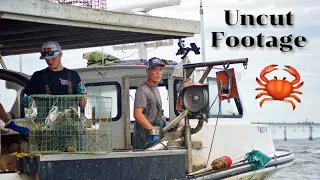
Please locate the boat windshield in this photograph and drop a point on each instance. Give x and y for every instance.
(229, 107)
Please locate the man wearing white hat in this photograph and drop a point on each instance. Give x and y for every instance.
(55, 79)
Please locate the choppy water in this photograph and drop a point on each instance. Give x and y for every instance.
(307, 160)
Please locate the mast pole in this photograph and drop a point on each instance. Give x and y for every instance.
(203, 52)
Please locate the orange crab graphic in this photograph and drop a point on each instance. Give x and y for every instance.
(279, 89)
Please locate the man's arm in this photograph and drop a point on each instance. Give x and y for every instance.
(31, 88)
(80, 89)
(11, 124)
(140, 103)
(141, 119)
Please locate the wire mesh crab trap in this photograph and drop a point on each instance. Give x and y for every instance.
(69, 123)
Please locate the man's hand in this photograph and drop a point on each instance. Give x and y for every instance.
(164, 120)
(82, 102)
(141, 119)
(26, 101)
(22, 130)
(81, 89)
(153, 136)
(152, 140)
(164, 123)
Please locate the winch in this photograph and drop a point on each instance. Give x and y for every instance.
(195, 98)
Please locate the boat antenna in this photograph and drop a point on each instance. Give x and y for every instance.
(202, 33)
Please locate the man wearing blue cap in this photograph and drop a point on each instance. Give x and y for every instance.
(148, 111)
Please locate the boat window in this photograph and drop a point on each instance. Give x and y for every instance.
(176, 87)
(229, 107)
(164, 97)
(108, 89)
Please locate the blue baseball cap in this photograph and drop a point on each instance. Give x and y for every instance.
(154, 62)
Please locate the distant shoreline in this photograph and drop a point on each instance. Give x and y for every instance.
(299, 139)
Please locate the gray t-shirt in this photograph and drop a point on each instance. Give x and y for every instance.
(144, 98)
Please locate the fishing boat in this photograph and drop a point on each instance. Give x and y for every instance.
(206, 115)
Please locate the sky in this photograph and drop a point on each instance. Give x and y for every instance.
(306, 20)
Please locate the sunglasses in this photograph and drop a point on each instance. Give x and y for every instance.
(49, 53)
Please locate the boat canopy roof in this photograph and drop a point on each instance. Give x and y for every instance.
(26, 25)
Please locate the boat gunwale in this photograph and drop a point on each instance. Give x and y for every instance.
(245, 167)
(114, 154)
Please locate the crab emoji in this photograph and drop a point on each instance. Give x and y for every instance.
(279, 89)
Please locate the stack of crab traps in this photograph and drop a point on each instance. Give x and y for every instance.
(69, 124)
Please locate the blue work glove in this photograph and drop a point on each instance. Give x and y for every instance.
(26, 101)
(152, 139)
(81, 89)
(164, 123)
(22, 130)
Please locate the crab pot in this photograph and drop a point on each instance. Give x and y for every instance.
(60, 126)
